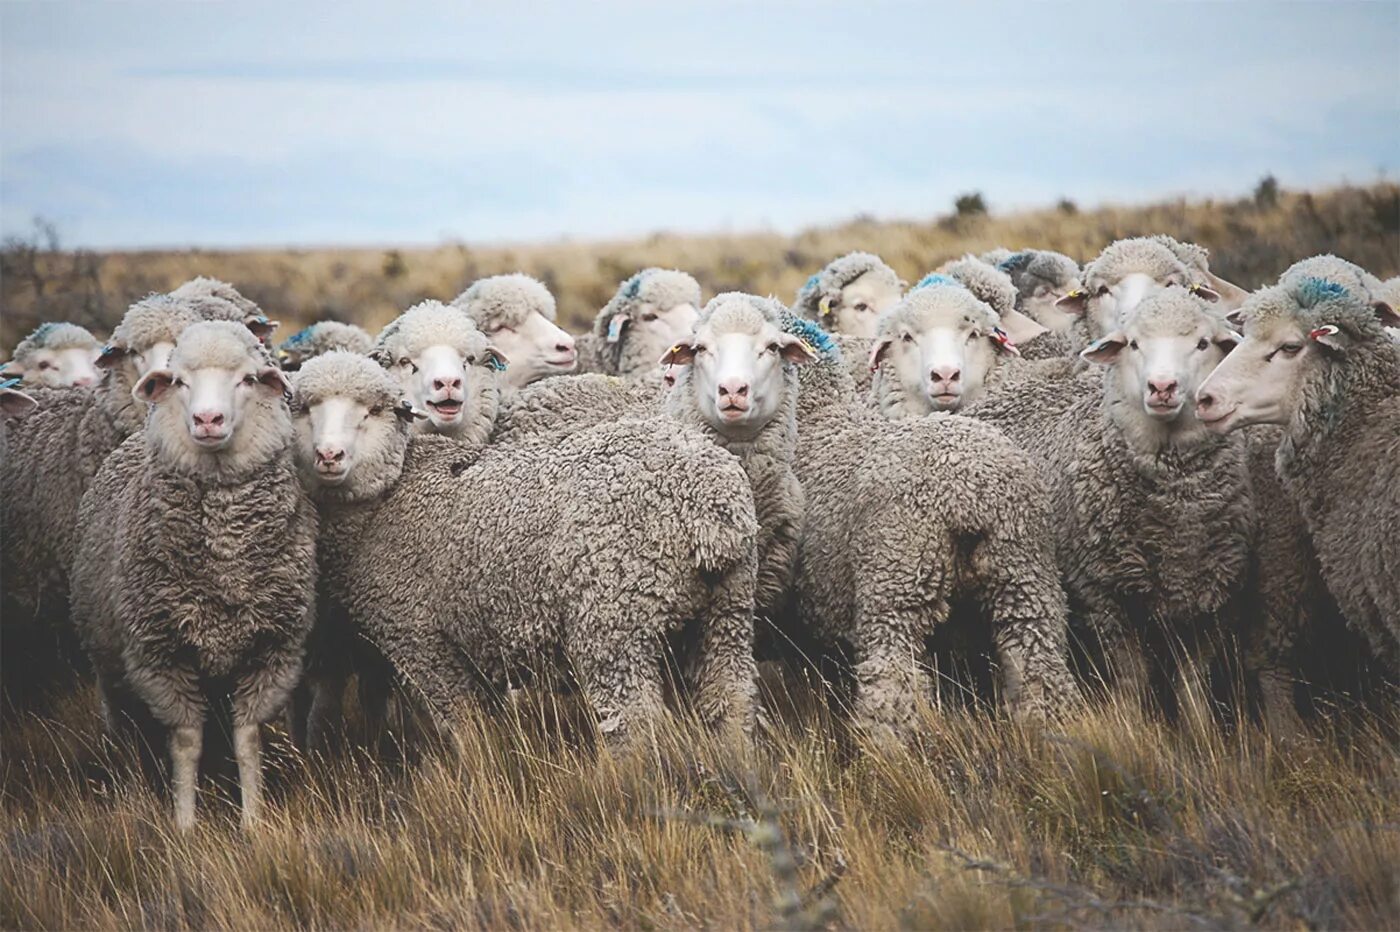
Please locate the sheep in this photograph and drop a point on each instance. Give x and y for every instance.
(1197, 258)
(849, 294)
(903, 519)
(322, 337)
(195, 573)
(431, 349)
(52, 456)
(517, 313)
(56, 355)
(1153, 512)
(591, 549)
(1316, 360)
(995, 288)
(213, 299)
(1041, 278)
(650, 311)
(1389, 295)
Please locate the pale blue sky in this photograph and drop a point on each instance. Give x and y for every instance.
(137, 124)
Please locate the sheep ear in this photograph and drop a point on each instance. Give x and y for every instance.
(1235, 318)
(153, 386)
(1076, 302)
(1328, 335)
(1003, 342)
(682, 354)
(272, 377)
(1020, 328)
(1228, 340)
(797, 351)
(406, 412)
(494, 359)
(11, 370)
(877, 353)
(260, 326)
(111, 356)
(1231, 295)
(1205, 294)
(15, 403)
(615, 327)
(1387, 315)
(1105, 349)
(380, 356)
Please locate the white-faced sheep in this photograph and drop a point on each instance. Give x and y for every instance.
(994, 288)
(1041, 278)
(1153, 512)
(322, 337)
(904, 519)
(1316, 360)
(517, 314)
(56, 355)
(848, 295)
(195, 574)
(213, 299)
(587, 551)
(650, 312)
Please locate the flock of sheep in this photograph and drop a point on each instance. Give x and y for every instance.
(657, 506)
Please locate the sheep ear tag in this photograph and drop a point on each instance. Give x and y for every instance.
(824, 306)
(1326, 335)
(405, 411)
(615, 327)
(1003, 342)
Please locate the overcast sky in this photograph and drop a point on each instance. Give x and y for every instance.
(134, 124)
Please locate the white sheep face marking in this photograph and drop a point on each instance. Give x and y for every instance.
(1261, 381)
(210, 401)
(652, 330)
(536, 348)
(335, 433)
(942, 364)
(862, 301)
(738, 377)
(73, 367)
(435, 380)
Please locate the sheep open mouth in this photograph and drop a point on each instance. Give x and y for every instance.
(446, 408)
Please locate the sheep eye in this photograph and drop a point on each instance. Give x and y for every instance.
(376, 411)
(862, 307)
(46, 365)
(250, 379)
(1103, 290)
(1292, 349)
(773, 348)
(1133, 343)
(648, 318)
(1202, 343)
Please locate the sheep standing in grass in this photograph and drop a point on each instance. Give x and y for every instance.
(56, 355)
(1316, 360)
(517, 314)
(589, 552)
(904, 519)
(1041, 278)
(195, 573)
(322, 337)
(650, 311)
(1153, 512)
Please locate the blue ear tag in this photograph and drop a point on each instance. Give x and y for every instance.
(496, 364)
(9, 383)
(615, 327)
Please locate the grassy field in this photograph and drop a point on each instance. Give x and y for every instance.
(1109, 819)
(1251, 240)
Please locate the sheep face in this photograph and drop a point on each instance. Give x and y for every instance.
(215, 383)
(1040, 300)
(338, 432)
(737, 360)
(1261, 381)
(1126, 274)
(940, 347)
(536, 348)
(857, 311)
(70, 367)
(652, 329)
(1162, 353)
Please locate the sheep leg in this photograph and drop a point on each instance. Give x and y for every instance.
(324, 713)
(259, 698)
(185, 742)
(623, 683)
(890, 679)
(428, 665)
(1026, 606)
(1126, 670)
(726, 675)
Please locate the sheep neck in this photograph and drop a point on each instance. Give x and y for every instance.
(1338, 400)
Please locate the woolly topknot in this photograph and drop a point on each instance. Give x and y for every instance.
(1031, 268)
(342, 374)
(1314, 302)
(202, 287)
(1336, 270)
(739, 310)
(1147, 255)
(816, 337)
(323, 337)
(505, 301)
(989, 284)
(216, 343)
(154, 319)
(837, 275)
(431, 323)
(937, 280)
(1193, 256)
(55, 336)
(921, 307)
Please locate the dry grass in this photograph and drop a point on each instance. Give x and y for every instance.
(1251, 244)
(1110, 820)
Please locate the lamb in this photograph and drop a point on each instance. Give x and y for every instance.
(1041, 278)
(56, 355)
(1316, 359)
(592, 549)
(994, 288)
(650, 311)
(195, 573)
(52, 456)
(1153, 512)
(849, 294)
(322, 337)
(517, 314)
(904, 519)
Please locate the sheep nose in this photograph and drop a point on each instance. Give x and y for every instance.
(1204, 401)
(1161, 386)
(208, 419)
(83, 381)
(329, 455)
(565, 345)
(442, 384)
(946, 373)
(734, 389)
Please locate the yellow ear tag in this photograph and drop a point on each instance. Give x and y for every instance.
(824, 305)
(1076, 293)
(811, 350)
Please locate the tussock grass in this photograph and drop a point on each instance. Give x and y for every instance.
(1250, 243)
(1108, 819)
